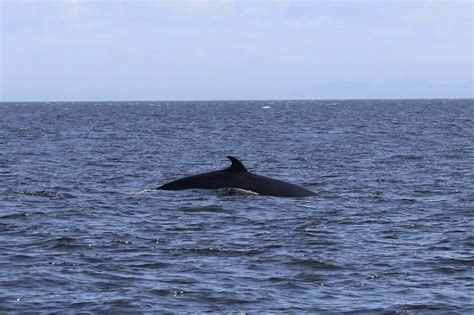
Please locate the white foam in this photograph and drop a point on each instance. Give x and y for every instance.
(141, 192)
(237, 191)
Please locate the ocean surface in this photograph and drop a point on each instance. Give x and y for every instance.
(84, 229)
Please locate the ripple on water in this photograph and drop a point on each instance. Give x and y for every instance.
(313, 264)
(208, 208)
(22, 215)
(48, 194)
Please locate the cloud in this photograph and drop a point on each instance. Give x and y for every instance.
(76, 9)
(266, 7)
(194, 7)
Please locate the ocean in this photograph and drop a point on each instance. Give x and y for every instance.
(84, 229)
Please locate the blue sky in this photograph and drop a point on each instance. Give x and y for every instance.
(210, 49)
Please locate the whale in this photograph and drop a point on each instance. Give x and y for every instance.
(237, 176)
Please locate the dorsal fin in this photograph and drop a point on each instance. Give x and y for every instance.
(237, 166)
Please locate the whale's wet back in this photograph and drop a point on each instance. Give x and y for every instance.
(237, 176)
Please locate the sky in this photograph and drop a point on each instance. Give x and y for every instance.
(108, 50)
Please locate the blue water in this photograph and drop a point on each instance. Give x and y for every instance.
(83, 229)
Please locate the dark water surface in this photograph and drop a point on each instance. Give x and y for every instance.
(83, 229)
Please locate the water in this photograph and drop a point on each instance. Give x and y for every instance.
(83, 229)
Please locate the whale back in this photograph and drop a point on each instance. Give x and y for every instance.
(237, 176)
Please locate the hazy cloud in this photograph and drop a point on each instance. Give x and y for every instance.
(232, 49)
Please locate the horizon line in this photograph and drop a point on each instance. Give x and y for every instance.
(243, 100)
